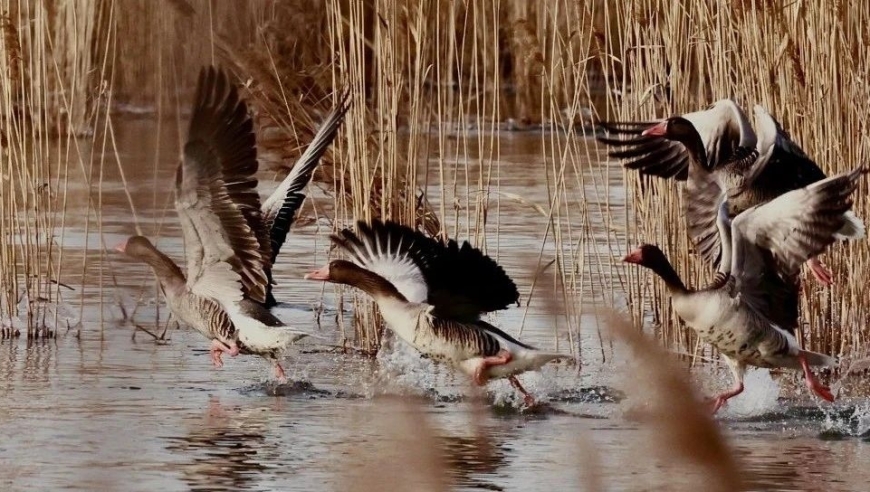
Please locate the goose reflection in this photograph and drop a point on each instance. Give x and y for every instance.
(226, 449)
(471, 459)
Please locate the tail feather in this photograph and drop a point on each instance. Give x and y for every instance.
(817, 359)
(541, 358)
(852, 229)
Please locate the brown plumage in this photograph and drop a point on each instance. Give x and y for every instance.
(751, 318)
(226, 243)
(220, 153)
(432, 295)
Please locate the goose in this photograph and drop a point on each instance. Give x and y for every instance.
(751, 317)
(723, 127)
(226, 237)
(432, 295)
(753, 167)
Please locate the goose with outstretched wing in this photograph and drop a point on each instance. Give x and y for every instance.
(752, 314)
(751, 166)
(227, 243)
(432, 294)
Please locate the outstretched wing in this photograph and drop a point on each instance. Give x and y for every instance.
(460, 282)
(650, 155)
(771, 241)
(723, 128)
(782, 165)
(394, 252)
(216, 195)
(704, 195)
(279, 210)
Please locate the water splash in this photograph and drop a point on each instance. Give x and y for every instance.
(850, 422)
(760, 396)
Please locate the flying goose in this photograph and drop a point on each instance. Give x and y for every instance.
(723, 128)
(751, 317)
(432, 294)
(752, 167)
(227, 240)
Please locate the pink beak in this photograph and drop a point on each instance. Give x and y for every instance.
(635, 256)
(658, 130)
(122, 247)
(319, 274)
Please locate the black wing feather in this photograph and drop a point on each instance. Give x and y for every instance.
(461, 281)
(651, 156)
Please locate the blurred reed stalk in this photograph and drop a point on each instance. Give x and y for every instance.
(436, 86)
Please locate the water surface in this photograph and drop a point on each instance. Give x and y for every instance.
(110, 411)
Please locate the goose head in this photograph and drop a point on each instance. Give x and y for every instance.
(138, 247)
(646, 255)
(652, 257)
(674, 128)
(338, 272)
(142, 249)
(680, 130)
(348, 273)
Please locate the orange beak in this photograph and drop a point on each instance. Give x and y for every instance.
(122, 247)
(635, 256)
(319, 274)
(658, 130)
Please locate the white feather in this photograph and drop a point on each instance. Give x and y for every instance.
(218, 281)
(399, 269)
(852, 229)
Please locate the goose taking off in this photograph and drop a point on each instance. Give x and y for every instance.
(752, 315)
(432, 294)
(227, 242)
(752, 167)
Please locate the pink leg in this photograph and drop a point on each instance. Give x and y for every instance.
(528, 399)
(720, 399)
(218, 348)
(813, 383)
(502, 357)
(279, 373)
(820, 271)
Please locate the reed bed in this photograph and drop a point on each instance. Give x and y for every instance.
(50, 77)
(436, 88)
(808, 64)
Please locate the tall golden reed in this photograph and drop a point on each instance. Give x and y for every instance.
(49, 87)
(422, 74)
(808, 64)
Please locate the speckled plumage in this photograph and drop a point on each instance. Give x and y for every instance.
(751, 318)
(431, 294)
(747, 168)
(229, 238)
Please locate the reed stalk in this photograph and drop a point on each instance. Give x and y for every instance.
(807, 63)
(436, 87)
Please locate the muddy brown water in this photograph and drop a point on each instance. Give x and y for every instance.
(108, 411)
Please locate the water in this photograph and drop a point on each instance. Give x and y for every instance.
(108, 411)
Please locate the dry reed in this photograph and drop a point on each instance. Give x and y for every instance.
(435, 86)
(807, 64)
(684, 433)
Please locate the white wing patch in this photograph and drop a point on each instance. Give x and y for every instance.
(397, 268)
(218, 281)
